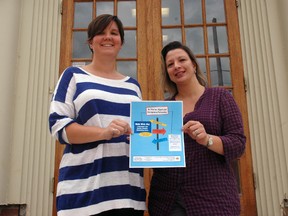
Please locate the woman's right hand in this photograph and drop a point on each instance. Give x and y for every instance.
(117, 128)
(80, 134)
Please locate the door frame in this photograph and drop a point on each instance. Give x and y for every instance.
(149, 65)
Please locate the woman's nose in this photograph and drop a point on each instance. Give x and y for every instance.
(107, 36)
(177, 65)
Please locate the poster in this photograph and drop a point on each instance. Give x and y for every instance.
(157, 139)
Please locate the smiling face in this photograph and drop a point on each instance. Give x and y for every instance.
(179, 66)
(108, 41)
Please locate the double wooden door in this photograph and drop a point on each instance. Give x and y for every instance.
(208, 27)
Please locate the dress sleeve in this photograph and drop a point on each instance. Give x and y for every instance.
(62, 111)
(233, 138)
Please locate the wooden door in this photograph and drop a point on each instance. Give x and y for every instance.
(209, 27)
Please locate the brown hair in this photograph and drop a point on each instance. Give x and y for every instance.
(169, 86)
(98, 25)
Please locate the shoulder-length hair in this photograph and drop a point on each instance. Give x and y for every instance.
(99, 24)
(169, 86)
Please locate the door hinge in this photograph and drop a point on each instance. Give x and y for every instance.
(254, 181)
(237, 3)
(61, 7)
(245, 84)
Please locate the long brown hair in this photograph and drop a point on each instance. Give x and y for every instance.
(169, 86)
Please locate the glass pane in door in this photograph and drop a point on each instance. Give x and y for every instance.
(217, 39)
(82, 14)
(215, 9)
(104, 7)
(193, 11)
(129, 48)
(171, 12)
(129, 68)
(195, 39)
(127, 13)
(220, 71)
(202, 64)
(80, 45)
(170, 35)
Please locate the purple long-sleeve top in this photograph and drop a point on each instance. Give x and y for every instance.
(207, 184)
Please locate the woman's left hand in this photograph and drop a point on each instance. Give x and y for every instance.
(196, 131)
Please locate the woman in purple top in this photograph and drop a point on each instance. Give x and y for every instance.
(214, 137)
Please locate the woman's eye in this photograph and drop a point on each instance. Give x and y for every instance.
(115, 33)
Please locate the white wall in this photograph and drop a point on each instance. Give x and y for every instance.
(29, 58)
(9, 26)
(281, 48)
(32, 158)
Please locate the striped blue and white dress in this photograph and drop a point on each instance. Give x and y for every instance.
(94, 177)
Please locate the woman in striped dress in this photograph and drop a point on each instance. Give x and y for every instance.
(90, 115)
